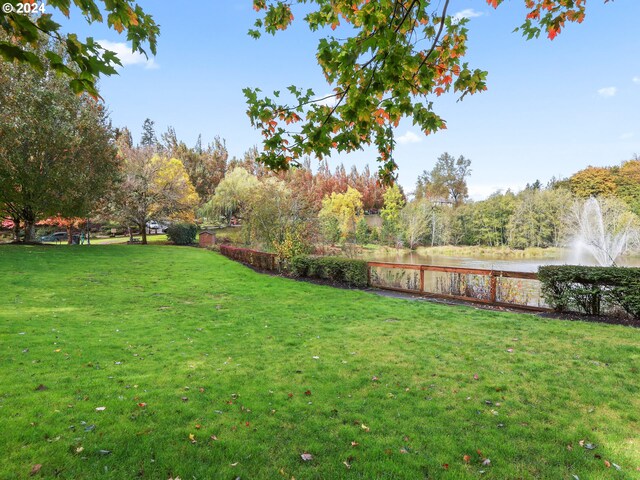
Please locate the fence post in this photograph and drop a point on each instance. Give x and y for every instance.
(493, 287)
(421, 279)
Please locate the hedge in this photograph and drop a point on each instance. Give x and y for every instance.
(342, 270)
(182, 233)
(589, 289)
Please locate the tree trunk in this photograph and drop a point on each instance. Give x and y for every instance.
(29, 231)
(144, 234)
(16, 229)
(69, 235)
(29, 224)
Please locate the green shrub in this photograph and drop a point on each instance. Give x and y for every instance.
(343, 270)
(587, 289)
(182, 233)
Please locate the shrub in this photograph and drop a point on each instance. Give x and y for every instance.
(182, 233)
(587, 289)
(343, 270)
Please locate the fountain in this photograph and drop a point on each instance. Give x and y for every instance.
(603, 229)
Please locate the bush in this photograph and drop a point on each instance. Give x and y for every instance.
(182, 233)
(587, 289)
(343, 270)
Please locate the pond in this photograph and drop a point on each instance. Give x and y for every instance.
(493, 261)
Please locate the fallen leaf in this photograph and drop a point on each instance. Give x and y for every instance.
(35, 469)
(364, 427)
(79, 449)
(354, 444)
(201, 390)
(404, 450)
(104, 452)
(41, 388)
(214, 438)
(198, 426)
(307, 393)
(607, 463)
(290, 394)
(617, 467)
(510, 350)
(347, 464)
(374, 379)
(466, 459)
(185, 399)
(569, 447)
(445, 466)
(475, 376)
(486, 462)
(307, 457)
(234, 464)
(142, 404)
(100, 409)
(581, 443)
(192, 438)
(57, 350)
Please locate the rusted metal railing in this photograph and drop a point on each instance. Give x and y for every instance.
(493, 287)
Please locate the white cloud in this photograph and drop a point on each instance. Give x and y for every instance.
(636, 80)
(627, 136)
(126, 56)
(607, 92)
(409, 137)
(466, 13)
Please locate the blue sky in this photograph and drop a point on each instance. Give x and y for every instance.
(551, 108)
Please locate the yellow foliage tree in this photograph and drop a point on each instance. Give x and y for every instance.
(342, 211)
(154, 187)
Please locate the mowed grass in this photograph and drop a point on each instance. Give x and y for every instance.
(178, 342)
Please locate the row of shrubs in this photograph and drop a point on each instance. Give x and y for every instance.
(591, 290)
(347, 271)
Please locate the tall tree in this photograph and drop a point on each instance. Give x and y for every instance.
(593, 182)
(206, 167)
(342, 210)
(148, 138)
(154, 187)
(446, 181)
(388, 60)
(57, 155)
(232, 195)
(394, 202)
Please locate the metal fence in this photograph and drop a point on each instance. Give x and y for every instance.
(494, 287)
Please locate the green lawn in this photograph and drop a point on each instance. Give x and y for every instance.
(208, 370)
